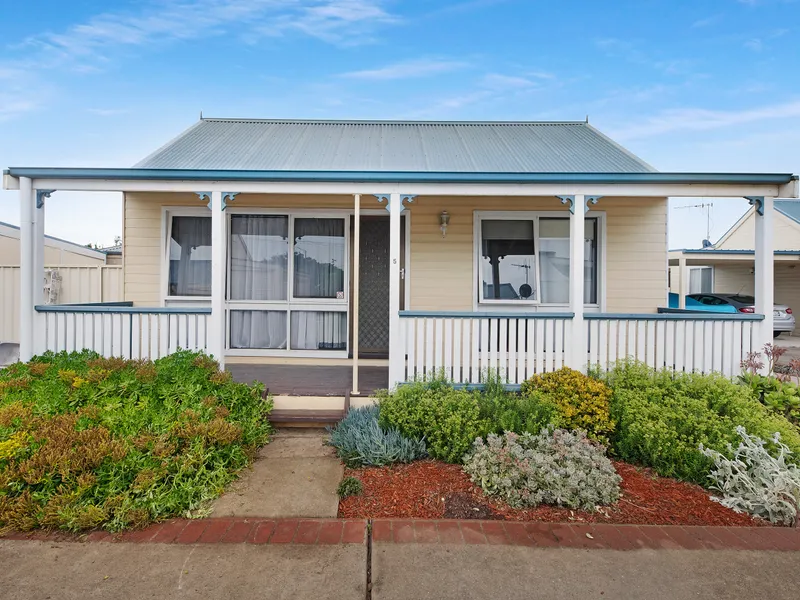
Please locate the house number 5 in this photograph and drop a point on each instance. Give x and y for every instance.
(394, 261)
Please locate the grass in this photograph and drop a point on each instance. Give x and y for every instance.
(89, 442)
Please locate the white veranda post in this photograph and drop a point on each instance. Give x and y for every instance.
(578, 347)
(26, 267)
(396, 352)
(38, 269)
(683, 282)
(764, 267)
(216, 321)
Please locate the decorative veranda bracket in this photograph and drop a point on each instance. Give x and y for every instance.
(228, 197)
(571, 201)
(403, 199)
(758, 202)
(203, 196)
(41, 195)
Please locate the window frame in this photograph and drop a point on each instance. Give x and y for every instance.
(291, 304)
(168, 212)
(482, 304)
(701, 268)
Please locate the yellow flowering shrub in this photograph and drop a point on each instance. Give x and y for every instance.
(16, 442)
(583, 402)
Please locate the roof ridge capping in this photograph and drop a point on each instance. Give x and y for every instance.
(383, 122)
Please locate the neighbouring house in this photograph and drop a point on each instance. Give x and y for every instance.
(71, 273)
(395, 250)
(729, 265)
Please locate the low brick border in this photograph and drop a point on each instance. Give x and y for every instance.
(222, 531)
(400, 531)
(588, 536)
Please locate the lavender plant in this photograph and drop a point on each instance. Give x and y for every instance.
(555, 467)
(756, 482)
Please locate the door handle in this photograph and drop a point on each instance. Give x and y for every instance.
(402, 273)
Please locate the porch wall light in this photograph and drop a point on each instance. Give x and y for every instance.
(444, 221)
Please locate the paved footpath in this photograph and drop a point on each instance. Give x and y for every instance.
(312, 558)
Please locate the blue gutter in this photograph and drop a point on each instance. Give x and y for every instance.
(398, 176)
(125, 310)
(724, 251)
(422, 314)
(678, 314)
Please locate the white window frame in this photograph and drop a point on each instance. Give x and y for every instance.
(481, 304)
(310, 304)
(291, 304)
(167, 212)
(701, 267)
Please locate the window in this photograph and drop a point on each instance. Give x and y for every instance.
(508, 262)
(701, 280)
(287, 283)
(526, 259)
(189, 256)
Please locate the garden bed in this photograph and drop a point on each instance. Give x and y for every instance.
(432, 489)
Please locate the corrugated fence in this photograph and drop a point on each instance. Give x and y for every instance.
(78, 284)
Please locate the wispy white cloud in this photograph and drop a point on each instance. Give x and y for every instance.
(407, 69)
(96, 44)
(707, 21)
(699, 119)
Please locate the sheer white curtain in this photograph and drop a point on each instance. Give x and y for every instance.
(319, 259)
(259, 257)
(319, 255)
(554, 260)
(319, 330)
(190, 256)
(259, 271)
(258, 329)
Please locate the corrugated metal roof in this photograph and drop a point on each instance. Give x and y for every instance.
(400, 146)
(790, 208)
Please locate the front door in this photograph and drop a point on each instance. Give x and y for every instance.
(373, 297)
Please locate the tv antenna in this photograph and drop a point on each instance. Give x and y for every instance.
(708, 207)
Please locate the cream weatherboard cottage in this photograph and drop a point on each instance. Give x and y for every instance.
(416, 246)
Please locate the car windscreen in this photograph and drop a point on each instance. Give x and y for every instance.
(743, 299)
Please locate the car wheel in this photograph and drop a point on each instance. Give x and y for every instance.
(776, 333)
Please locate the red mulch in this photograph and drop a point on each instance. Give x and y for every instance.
(430, 489)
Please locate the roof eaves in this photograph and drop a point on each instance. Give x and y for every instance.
(400, 176)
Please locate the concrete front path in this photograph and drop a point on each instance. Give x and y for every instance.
(295, 475)
(38, 570)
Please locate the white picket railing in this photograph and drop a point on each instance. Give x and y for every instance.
(698, 342)
(120, 330)
(463, 346)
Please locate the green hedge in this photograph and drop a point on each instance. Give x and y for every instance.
(662, 418)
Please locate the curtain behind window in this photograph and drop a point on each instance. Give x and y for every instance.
(190, 257)
(319, 257)
(259, 257)
(554, 260)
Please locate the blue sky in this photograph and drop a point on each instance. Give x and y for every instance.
(686, 85)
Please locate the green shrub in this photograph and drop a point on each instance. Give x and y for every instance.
(663, 417)
(87, 441)
(553, 467)
(518, 413)
(360, 441)
(582, 402)
(448, 419)
(349, 486)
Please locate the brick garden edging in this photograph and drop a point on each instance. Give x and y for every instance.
(534, 534)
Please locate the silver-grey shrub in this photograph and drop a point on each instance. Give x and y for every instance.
(360, 441)
(756, 482)
(555, 467)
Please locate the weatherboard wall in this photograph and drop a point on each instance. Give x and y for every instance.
(441, 270)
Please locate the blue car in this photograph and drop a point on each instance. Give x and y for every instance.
(783, 319)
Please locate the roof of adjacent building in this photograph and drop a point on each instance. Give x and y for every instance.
(9, 230)
(789, 208)
(395, 146)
